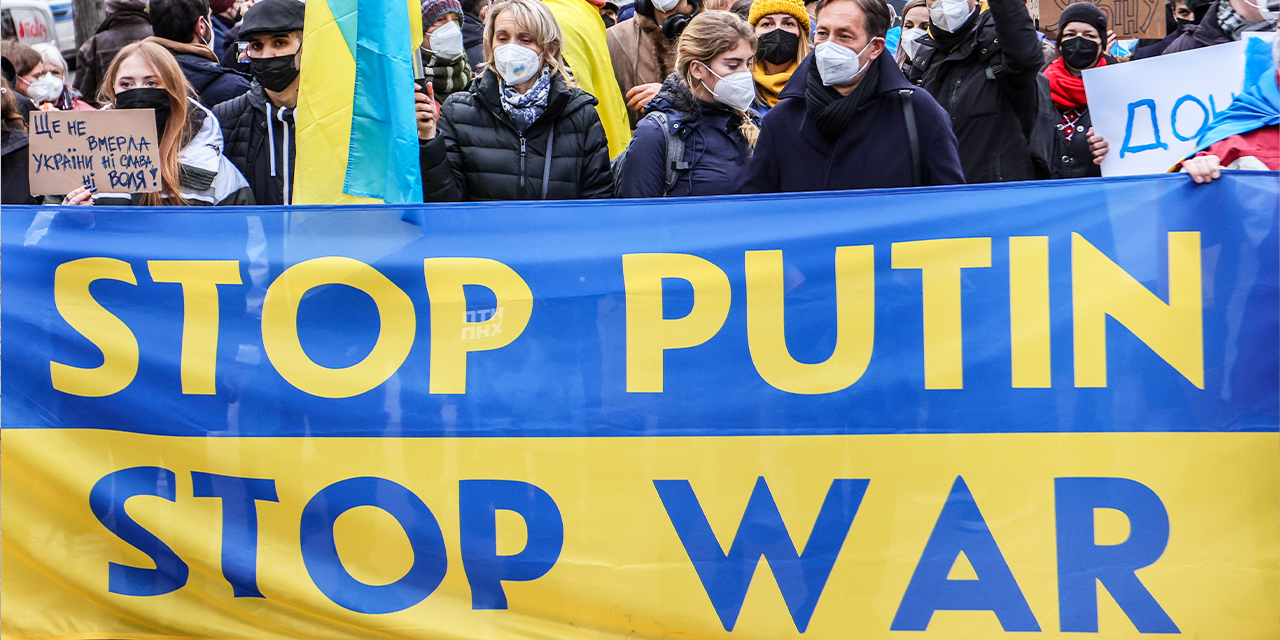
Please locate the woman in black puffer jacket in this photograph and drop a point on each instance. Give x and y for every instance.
(492, 143)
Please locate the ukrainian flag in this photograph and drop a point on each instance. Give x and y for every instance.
(357, 132)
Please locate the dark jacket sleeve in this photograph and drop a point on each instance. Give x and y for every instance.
(241, 196)
(597, 178)
(939, 157)
(441, 160)
(761, 175)
(87, 72)
(644, 173)
(1021, 54)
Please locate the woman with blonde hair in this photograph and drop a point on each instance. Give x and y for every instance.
(524, 131)
(704, 108)
(192, 168)
(784, 39)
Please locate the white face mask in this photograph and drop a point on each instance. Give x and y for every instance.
(446, 42)
(47, 89)
(736, 90)
(665, 6)
(837, 64)
(910, 41)
(515, 63)
(949, 15)
(1261, 5)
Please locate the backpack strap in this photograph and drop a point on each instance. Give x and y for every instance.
(675, 149)
(913, 136)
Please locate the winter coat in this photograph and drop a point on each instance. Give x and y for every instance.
(1209, 32)
(213, 82)
(1072, 159)
(222, 33)
(791, 155)
(473, 39)
(121, 28)
(15, 187)
(714, 148)
(988, 86)
(258, 138)
(1158, 48)
(477, 153)
(640, 54)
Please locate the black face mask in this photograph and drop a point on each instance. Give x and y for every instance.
(1079, 53)
(1182, 22)
(274, 74)
(779, 46)
(608, 22)
(147, 98)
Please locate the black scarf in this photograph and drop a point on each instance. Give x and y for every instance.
(948, 41)
(831, 112)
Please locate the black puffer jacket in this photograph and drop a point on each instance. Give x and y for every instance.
(988, 86)
(478, 155)
(248, 144)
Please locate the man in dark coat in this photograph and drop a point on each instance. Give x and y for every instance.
(1225, 22)
(258, 126)
(982, 67)
(127, 22)
(184, 27)
(473, 14)
(832, 131)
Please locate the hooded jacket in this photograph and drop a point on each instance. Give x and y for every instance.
(260, 143)
(213, 82)
(477, 153)
(640, 54)
(122, 27)
(988, 86)
(714, 148)
(791, 155)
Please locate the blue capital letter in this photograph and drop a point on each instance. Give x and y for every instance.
(478, 504)
(106, 500)
(239, 525)
(320, 553)
(1082, 563)
(1128, 129)
(960, 528)
(801, 577)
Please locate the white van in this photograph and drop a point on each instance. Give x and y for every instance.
(32, 21)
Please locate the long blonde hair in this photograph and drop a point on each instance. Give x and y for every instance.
(538, 20)
(178, 132)
(708, 35)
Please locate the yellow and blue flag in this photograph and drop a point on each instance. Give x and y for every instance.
(357, 133)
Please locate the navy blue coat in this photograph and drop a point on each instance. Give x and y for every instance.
(713, 146)
(214, 84)
(873, 153)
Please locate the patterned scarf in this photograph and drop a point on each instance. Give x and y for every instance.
(525, 109)
(447, 76)
(1229, 20)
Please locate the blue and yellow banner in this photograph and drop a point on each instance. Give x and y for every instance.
(1043, 410)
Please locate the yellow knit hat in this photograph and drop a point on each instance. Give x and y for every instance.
(795, 8)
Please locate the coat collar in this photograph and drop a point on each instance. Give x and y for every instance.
(891, 78)
(561, 99)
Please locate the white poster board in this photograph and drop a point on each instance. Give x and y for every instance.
(1152, 111)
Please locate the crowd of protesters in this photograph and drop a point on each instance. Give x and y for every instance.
(714, 96)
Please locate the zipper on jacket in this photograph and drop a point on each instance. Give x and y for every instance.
(520, 189)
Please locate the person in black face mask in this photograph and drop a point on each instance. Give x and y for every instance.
(1081, 31)
(782, 32)
(1184, 15)
(259, 126)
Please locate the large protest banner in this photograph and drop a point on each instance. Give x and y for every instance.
(970, 412)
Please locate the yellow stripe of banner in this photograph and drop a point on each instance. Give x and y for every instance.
(623, 571)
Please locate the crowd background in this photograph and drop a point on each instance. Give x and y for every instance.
(568, 99)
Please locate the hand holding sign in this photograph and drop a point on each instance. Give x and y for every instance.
(114, 151)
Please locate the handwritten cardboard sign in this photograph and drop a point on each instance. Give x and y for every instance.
(1128, 18)
(1152, 111)
(116, 151)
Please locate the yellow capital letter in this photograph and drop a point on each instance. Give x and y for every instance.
(119, 346)
(1100, 288)
(1029, 311)
(648, 334)
(452, 336)
(280, 327)
(199, 280)
(855, 323)
(940, 262)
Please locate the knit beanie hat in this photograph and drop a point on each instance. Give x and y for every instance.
(433, 9)
(1085, 12)
(219, 6)
(794, 8)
